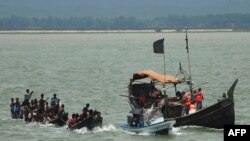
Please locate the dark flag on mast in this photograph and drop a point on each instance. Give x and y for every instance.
(159, 46)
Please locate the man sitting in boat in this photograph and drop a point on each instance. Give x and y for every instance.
(137, 121)
(199, 97)
(84, 113)
(72, 121)
(61, 110)
(62, 114)
(86, 108)
(48, 113)
(186, 101)
(57, 107)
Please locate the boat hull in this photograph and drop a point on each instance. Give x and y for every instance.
(214, 116)
(89, 123)
(159, 128)
(60, 121)
(16, 116)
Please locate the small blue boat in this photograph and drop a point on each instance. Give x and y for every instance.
(149, 120)
(159, 127)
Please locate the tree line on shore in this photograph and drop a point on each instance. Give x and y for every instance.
(232, 21)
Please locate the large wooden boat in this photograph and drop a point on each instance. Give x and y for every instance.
(215, 116)
(145, 95)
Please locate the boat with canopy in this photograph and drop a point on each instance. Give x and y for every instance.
(155, 111)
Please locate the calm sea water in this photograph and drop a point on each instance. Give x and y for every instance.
(96, 68)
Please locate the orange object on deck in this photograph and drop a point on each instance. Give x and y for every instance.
(192, 107)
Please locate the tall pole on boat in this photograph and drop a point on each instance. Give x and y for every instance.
(164, 89)
(158, 47)
(189, 67)
(164, 85)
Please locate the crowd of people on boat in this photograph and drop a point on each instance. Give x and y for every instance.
(189, 103)
(86, 113)
(192, 102)
(44, 111)
(36, 110)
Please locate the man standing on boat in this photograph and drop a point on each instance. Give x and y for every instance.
(186, 101)
(28, 94)
(53, 100)
(199, 97)
(53, 104)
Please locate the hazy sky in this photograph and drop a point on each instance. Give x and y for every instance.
(111, 8)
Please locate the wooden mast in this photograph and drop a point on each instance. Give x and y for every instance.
(190, 83)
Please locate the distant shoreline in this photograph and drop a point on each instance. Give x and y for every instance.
(113, 31)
